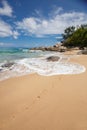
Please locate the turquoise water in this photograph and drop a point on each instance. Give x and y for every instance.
(21, 61)
(11, 54)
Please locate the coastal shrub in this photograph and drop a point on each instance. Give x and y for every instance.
(68, 32)
(78, 37)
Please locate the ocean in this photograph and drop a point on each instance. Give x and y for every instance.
(21, 61)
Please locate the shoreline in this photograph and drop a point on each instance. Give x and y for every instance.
(43, 66)
(35, 102)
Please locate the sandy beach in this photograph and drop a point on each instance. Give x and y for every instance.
(35, 102)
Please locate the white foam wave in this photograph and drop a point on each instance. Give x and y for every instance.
(43, 67)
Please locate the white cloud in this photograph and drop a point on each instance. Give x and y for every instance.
(15, 34)
(6, 30)
(6, 9)
(56, 10)
(53, 25)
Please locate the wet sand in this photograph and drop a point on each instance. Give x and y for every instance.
(35, 102)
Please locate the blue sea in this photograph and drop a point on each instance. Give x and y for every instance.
(21, 61)
(11, 54)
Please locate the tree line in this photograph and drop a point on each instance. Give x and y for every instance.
(75, 36)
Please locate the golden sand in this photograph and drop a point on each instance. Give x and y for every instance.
(36, 102)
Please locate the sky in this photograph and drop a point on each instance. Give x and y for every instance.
(31, 23)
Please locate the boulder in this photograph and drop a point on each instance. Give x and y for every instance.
(0, 70)
(84, 52)
(53, 58)
(7, 65)
(58, 47)
(62, 49)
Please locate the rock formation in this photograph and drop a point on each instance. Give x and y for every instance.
(53, 58)
(58, 47)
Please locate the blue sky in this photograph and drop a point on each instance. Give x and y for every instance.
(29, 23)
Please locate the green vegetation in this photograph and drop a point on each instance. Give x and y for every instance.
(73, 37)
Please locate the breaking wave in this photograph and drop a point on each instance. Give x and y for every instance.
(40, 66)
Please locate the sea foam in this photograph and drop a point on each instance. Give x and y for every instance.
(42, 67)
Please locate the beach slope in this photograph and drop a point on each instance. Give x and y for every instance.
(35, 102)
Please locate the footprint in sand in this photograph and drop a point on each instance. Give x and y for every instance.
(38, 97)
(26, 108)
(13, 117)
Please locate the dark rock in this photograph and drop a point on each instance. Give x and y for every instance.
(79, 53)
(53, 58)
(62, 49)
(0, 70)
(58, 47)
(84, 52)
(7, 65)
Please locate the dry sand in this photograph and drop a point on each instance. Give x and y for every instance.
(36, 102)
